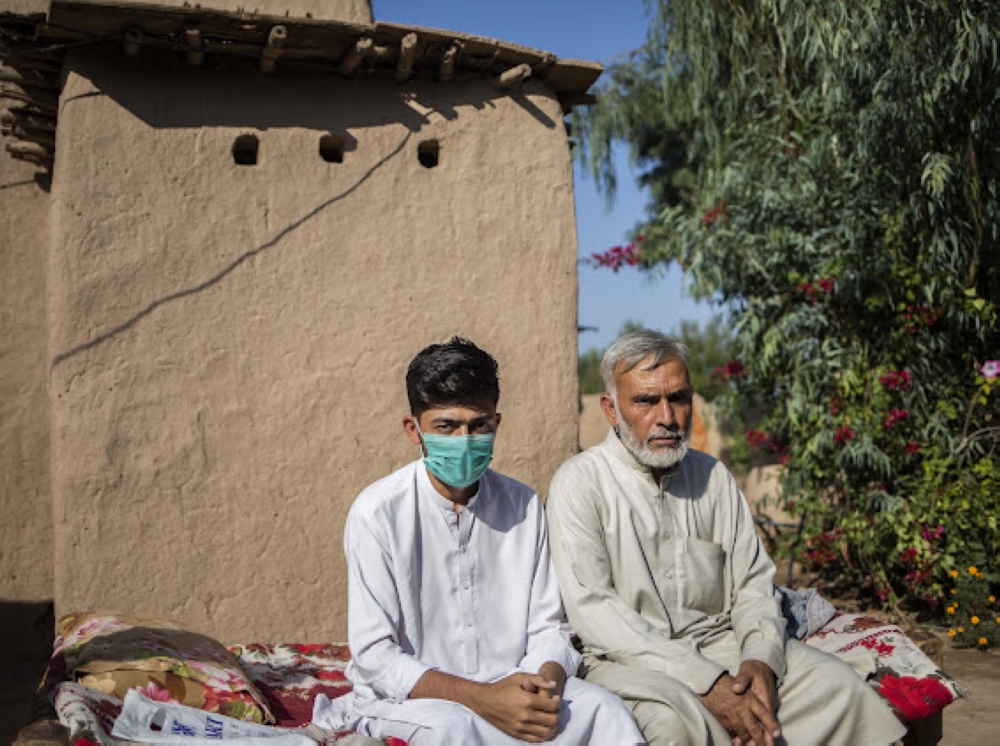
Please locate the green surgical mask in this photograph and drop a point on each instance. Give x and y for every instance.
(458, 460)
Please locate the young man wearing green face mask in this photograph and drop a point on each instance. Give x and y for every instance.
(455, 623)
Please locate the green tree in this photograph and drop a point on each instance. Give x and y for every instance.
(830, 171)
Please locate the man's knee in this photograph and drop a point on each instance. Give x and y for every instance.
(660, 725)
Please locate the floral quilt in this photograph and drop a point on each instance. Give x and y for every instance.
(900, 671)
(289, 677)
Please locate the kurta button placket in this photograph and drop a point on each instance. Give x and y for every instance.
(470, 642)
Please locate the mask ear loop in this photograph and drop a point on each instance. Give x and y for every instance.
(420, 445)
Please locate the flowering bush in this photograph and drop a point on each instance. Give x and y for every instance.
(972, 612)
(821, 172)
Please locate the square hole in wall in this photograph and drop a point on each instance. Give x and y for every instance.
(245, 150)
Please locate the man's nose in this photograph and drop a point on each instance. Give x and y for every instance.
(665, 413)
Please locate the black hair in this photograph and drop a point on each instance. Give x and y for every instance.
(454, 373)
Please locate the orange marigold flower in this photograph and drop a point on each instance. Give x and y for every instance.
(954, 591)
(983, 641)
(950, 610)
(992, 599)
(974, 620)
(961, 629)
(973, 570)
(954, 573)
(951, 633)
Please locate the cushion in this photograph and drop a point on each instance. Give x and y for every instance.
(113, 652)
(903, 674)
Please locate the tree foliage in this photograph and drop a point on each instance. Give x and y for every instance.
(830, 171)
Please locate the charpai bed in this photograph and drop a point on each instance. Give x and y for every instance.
(98, 657)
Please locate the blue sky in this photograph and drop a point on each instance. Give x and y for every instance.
(596, 30)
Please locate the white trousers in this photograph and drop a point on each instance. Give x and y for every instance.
(590, 715)
(822, 701)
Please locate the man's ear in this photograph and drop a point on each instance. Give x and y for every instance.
(411, 429)
(608, 407)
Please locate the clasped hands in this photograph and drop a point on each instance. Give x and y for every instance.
(746, 704)
(524, 705)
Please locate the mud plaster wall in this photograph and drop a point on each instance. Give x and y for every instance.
(26, 526)
(230, 342)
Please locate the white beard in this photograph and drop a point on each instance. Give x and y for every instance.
(660, 459)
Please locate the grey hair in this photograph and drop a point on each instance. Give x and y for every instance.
(632, 348)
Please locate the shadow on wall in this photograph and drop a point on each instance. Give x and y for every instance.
(173, 97)
(27, 631)
(225, 99)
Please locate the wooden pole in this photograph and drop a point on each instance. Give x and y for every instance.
(275, 40)
(407, 53)
(133, 41)
(196, 49)
(447, 66)
(353, 58)
(513, 76)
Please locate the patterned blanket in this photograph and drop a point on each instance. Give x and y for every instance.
(290, 676)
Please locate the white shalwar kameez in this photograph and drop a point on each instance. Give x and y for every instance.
(471, 594)
(668, 586)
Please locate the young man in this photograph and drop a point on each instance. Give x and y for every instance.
(454, 621)
(670, 589)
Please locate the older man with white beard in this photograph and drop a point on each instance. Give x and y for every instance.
(667, 584)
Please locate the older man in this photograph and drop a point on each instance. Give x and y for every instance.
(667, 584)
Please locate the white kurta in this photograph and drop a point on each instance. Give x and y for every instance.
(668, 586)
(471, 594)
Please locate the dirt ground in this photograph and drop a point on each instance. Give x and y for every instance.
(976, 720)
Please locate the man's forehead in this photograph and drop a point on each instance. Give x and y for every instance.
(460, 411)
(647, 373)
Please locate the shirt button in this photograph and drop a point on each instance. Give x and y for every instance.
(465, 586)
(468, 621)
(670, 575)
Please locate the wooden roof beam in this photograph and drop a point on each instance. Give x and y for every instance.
(362, 48)
(407, 54)
(272, 51)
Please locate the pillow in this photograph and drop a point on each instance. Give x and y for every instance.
(907, 679)
(113, 652)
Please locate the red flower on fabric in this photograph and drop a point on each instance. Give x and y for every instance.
(310, 648)
(915, 698)
(879, 646)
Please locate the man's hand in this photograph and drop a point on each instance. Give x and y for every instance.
(744, 715)
(556, 677)
(522, 705)
(757, 677)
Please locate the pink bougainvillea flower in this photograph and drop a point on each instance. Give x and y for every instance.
(897, 380)
(912, 448)
(896, 415)
(616, 257)
(929, 534)
(716, 214)
(990, 369)
(757, 438)
(825, 284)
(843, 435)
